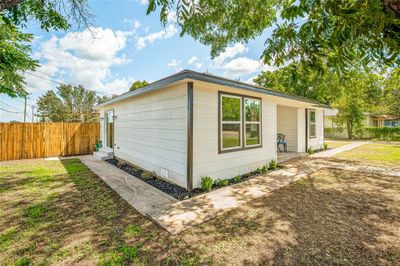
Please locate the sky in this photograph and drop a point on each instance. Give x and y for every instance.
(128, 45)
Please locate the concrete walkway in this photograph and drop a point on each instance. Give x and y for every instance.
(140, 195)
(182, 215)
(332, 152)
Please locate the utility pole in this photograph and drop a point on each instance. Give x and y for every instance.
(25, 110)
(33, 112)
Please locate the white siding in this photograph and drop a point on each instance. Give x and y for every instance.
(287, 125)
(301, 133)
(318, 141)
(206, 159)
(150, 131)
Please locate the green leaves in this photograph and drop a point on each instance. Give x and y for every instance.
(317, 32)
(14, 57)
(14, 45)
(70, 104)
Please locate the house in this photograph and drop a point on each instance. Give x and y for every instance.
(192, 124)
(370, 120)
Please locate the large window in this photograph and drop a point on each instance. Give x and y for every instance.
(240, 122)
(311, 123)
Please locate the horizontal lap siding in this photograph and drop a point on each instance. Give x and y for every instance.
(150, 131)
(206, 160)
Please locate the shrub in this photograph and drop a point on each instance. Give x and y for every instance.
(259, 170)
(310, 150)
(147, 175)
(237, 178)
(384, 133)
(264, 169)
(221, 182)
(273, 164)
(325, 146)
(206, 183)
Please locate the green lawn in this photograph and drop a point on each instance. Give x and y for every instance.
(379, 154)
(58, 212)
(336, 144)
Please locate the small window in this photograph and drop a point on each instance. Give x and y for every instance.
(240, 122)
(252, 121)
(231, 113)
(312, 123)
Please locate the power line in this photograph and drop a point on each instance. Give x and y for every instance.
(10, 111)
(58, 81)
(8, 105)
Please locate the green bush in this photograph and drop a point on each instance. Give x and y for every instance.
(310, 150)
(221, 182)
(259, 170)
(237, 178)
(264, 169)
(377, 133)
(273, 165)
(206, 183)
(147, 175)
(325, 146)
(383, 133)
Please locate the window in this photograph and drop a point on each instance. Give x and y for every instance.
(311, 123)
(240, 122)
(252, 108)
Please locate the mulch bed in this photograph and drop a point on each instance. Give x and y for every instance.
(173, 190)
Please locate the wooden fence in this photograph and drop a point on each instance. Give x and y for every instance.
(39, 140)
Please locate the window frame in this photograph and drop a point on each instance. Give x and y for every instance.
(242, 123)
(310, 123)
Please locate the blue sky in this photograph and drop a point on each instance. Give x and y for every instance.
(128, 46)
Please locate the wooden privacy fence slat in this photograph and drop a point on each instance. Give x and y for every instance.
(39, 140)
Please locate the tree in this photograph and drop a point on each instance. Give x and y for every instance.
(15, 51)
(299, 80)
(392, 92)
(138, 84)
(353, 94)
(336, 33)
(69, 104)
(50, 108)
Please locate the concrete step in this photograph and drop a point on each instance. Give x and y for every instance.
(103, 155)
(107, 151)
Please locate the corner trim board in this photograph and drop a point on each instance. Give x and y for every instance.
(189, 181)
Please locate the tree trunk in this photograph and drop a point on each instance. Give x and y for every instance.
(349, 130)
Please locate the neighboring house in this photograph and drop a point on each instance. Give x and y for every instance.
(190, 125)
(370, 120)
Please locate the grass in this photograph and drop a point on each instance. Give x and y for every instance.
(336, 144)
(377, 154)
(55, 212)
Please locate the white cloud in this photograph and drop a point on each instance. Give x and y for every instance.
(143, 2)
(171, 17)
(174, 63)
(192, 60)
(198, 65)
(243, 66)
(133, 22)
(230, 52)
(167, 33)
(78, 58)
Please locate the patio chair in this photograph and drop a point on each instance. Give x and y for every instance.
(281, 141)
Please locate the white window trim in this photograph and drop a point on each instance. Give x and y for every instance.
(252, 122)
(312, 123)
(231, 122)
